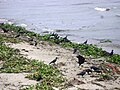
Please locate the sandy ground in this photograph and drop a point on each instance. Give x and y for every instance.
(14, 81)
(66, 63)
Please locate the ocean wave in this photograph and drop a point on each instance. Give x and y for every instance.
(47, 30)
(102, 9)
(3, 20)
(22, 25)
(82, 3)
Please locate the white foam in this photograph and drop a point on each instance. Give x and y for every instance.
(2, 20)
(10, 23)
(102, 9)
(22, 25)
(47, 29)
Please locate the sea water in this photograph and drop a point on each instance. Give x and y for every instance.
(80, 20)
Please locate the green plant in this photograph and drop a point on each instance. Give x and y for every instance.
(6, 38)
(13, 62)
(105, 77)
(114, 58)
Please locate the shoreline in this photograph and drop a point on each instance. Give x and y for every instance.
(107, 46)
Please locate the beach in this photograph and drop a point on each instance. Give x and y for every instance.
(67, 63)
(59, 45)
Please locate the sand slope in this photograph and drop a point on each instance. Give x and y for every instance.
(67, 64)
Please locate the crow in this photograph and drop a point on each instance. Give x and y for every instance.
(55, 35)
(82, 73)
(22, 32)
(39, 78)
(1, 23)
(18, 35)
(35, 43)
(75, 50)
(94, 68)
(30, 39)
(88, 71)
(65, 39)
(98, 71)
(54, 60)
(111, 53)
(81, 59)
(85, 42)
(5, 30)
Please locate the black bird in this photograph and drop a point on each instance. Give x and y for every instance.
(53, 34)
(1, 23)
(94, 68)
(111, 53)
(56, 36)
(22, 32)
(82, 73)
(81, 59)
(39, 78)
(5, 30)
(85, 42)
(30, 39)
(88, 71)
(75, 50)
(98, 71)
(65, 39)
(54, 60)
(18, 35)
(35, 43)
